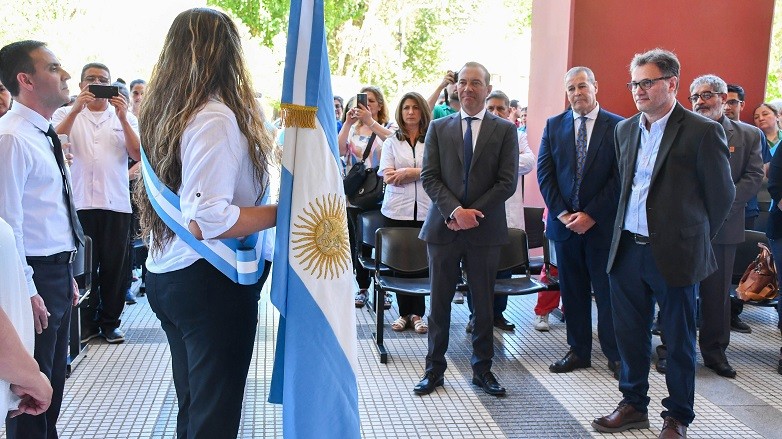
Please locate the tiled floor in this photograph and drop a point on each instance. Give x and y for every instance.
(125, 391)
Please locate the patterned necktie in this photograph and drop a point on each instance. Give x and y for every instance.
(581, 153)
(467, 154)
(78, 233)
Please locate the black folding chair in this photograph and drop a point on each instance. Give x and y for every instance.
(82, 272)
(401, 267)
(534, 227)
(515, 256)
(368, 223)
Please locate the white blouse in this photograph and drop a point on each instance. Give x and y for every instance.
(408, 201)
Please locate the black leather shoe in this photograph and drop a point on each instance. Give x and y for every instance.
(428, 383)
(614, 367)
(488, 383)
(501, 323)
(470, 326)
(662, 359)
(569, 363)
(723, 369)
(738, 325)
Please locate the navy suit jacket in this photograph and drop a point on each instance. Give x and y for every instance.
(599, 190)
(492, 180)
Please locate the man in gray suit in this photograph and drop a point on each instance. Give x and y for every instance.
(676, 191)
(469, 170)
(708, 95)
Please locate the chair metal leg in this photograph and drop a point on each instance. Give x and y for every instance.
(379, 317)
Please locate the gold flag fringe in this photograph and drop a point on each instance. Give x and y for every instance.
(298, 116)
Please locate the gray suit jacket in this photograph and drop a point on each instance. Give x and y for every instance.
(492, 180)
(746, 168)
(690, 193)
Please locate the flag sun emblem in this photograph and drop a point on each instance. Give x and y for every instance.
(323, 244)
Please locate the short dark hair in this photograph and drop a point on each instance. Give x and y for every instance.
(739, 90)
(487, 76)
(136, 82)
(514, 103)
(14, 59)
(94, 65)
(665, 60)
(122, 90)
(339, 98)
(497, 94)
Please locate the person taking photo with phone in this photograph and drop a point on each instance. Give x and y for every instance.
(366, 126)
(103, 134)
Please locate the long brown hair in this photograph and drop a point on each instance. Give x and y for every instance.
(426, 116)
(201, 59)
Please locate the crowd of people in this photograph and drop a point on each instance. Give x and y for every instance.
(451, 165)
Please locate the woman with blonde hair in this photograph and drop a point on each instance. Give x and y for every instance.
(205, 141)
(366, 126)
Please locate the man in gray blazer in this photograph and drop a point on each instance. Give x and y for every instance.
(708, 95)
(675, 193)
(469, 170)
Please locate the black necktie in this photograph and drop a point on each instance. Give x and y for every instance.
(78, 233)
(467, 153)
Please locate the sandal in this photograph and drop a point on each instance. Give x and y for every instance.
(361, 299)
(400, 324)
(419, 324)
(387, 302)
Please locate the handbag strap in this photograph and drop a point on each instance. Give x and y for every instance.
(369, 146)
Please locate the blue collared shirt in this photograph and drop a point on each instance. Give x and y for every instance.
(635, 215)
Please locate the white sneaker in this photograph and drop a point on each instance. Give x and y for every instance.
(458, 297)
(541, 323)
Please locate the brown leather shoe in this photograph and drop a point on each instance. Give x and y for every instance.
(623, 418)
(673, 429)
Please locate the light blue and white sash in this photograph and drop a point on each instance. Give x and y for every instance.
(235, 258)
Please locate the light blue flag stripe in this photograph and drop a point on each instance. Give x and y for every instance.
(313, 377)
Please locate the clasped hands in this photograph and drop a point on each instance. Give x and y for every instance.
(577, 222)
(464, 219)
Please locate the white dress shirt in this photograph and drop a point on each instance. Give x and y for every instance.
(635, 215)
(31, 192)
(217, 178)
(475, 125)
(399, 201)
(100, 159)
(14, 301)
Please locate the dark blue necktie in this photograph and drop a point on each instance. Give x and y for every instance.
(467, 153)
(581, 153)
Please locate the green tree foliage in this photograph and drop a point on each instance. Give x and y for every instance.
(774, 80)
(388, 43)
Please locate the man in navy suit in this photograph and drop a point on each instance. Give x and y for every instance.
(676, 191)
(579, 180)
(469, 170)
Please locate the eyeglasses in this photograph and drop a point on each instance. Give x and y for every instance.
(99, 79)
(645, 84)
(706, 95)
(733, 102)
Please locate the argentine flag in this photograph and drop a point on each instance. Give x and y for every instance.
(315, 365)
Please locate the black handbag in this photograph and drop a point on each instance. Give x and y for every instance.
(363, 187)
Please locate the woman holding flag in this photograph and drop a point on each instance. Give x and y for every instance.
(205, 175)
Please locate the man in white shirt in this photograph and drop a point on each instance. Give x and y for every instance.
(103, 134)
(36, 203)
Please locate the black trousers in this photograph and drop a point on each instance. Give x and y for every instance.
(210, 323)
(54, 285)
(714, 335)
(480, 265)
(109, 232)
(408, 304)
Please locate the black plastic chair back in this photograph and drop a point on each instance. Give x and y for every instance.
(399, 249)
(533, 226)
(515, 254)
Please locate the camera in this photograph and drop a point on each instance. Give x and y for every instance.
(104, 91)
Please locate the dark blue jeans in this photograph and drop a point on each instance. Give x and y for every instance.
(635, 283)
(210, 324)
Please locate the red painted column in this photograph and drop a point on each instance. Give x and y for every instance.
(730, 39)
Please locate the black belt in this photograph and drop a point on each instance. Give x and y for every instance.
(57, 258)
(638, 239)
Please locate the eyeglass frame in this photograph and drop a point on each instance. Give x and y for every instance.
(733, 102)
(632, 85)
(694, 97)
